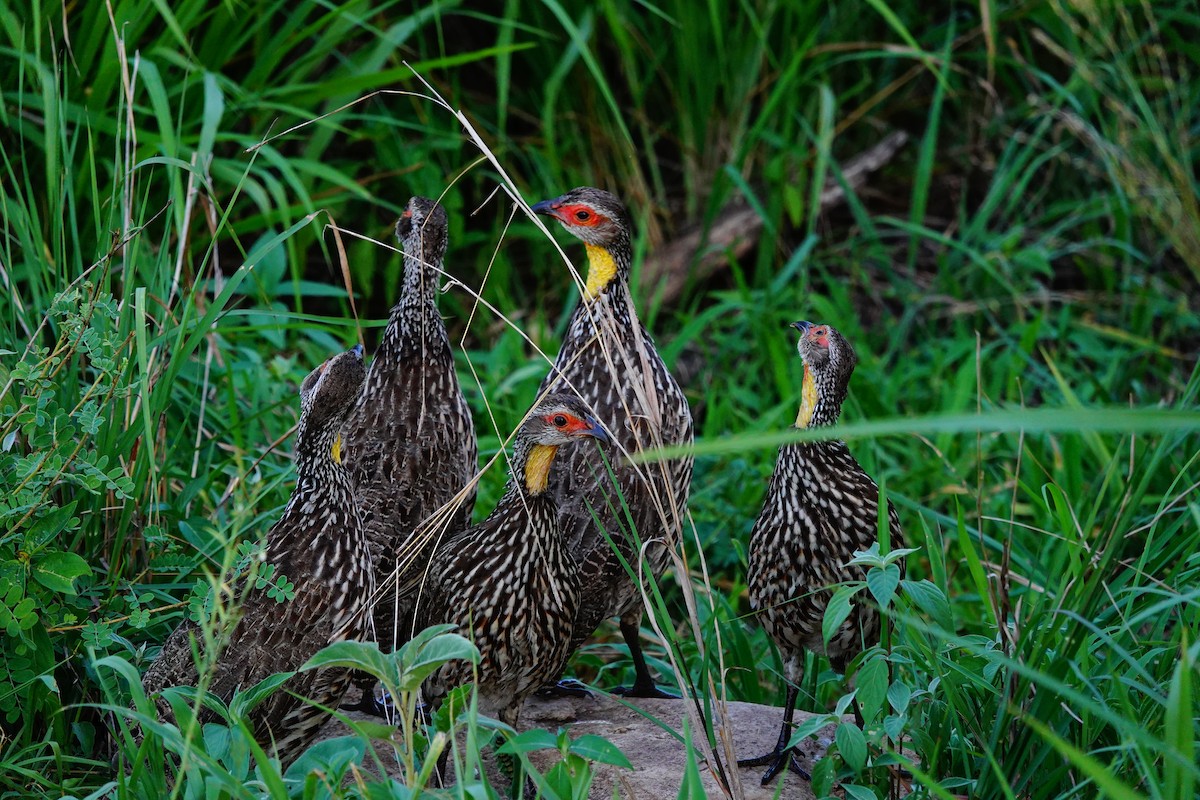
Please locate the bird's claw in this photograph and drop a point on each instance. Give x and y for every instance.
(776, 760)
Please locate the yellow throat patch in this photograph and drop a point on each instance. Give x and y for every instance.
(602, 268)
(537, 467)
(808, 399)
(336, 451)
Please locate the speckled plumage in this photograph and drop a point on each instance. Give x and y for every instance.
(820, 508)
(610, 361)
(410, 442)
(319, 545)
(509, 583)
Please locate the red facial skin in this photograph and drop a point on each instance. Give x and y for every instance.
(578, 215)
(567, 423)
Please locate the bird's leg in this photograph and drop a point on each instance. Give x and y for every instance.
(368, 703)
(782, 756)
(643, 681)
(567, 687)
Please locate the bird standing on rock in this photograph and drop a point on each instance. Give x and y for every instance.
(319, 546)
(610, 362)
(509, 582)
(410, 442)
(820, 508)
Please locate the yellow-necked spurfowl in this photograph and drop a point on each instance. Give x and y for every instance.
(820, 508)
(610, 362)
(410, 442)
(320, 547)
(509, 583)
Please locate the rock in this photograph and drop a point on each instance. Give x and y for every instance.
(657, 756)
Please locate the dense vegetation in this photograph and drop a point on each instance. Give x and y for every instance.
(1020, 281)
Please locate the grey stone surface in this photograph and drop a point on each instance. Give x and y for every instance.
(657, 756)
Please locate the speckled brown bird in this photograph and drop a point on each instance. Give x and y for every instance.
(509, 583)
(610, 362)
(319, 545)
(820, 508)
(410, 441)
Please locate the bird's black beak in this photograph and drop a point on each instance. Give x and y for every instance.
(547, 207)
(801, 326)
(595, 429)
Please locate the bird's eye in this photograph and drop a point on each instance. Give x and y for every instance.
(559, 421)
(583, 215)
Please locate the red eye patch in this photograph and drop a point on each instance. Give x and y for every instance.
(579, 214)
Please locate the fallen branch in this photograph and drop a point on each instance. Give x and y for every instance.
(699, 252)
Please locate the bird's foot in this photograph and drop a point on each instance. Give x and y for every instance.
(644, 688)
(567, 687)
(775, 761)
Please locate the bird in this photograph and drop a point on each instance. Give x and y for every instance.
(410, 442)
(608, 359)
(509, 584)
(319, 546)
(820, 507)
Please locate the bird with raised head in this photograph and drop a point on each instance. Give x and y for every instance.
(509, 583)
(410, 442)
(609, 361)
(820, 507)
(319, 545)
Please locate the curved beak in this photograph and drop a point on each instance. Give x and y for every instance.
(547, 207)
(594, 429)
(801, 326)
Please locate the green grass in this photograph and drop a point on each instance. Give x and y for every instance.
(1019, 282)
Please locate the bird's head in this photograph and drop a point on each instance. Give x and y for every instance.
(422, 230)
(593, 215)
(829, 362)
(327, 396)
(558, 420)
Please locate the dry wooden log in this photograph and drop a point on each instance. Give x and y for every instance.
(700, 251)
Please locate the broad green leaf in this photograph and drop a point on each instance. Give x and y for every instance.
(882, 581)
(872, 686)
(837, 611)
(898, 696)
(929, 599)
(597, 748)
(244, 700)
(852, 745)
(418, 664)
(356, 655)
(529, 741)
(58, 570)
(808, 727)
(329, 757)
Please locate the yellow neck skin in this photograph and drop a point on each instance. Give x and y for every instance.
(602, 268)
(537, 467)
(808, 399)
(336, 452)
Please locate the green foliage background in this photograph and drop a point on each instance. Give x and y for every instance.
(171, 269)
